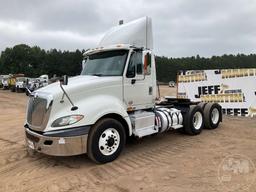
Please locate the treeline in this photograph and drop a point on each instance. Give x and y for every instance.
(167, 68)
(34, 61)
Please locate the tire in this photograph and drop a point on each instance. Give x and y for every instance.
(105, 135)
(194, 120)
(202, 105)
(13, 88)
(27, 93)
(212, 115)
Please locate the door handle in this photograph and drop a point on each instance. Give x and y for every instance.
(150, 90)
(133, 81)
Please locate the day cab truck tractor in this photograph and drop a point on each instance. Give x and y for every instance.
(114, 98)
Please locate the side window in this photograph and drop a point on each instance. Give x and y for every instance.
(147, 64)
(131, 67)
(139, 63)
(135, 65)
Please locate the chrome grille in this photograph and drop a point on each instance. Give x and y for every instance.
(38, 113)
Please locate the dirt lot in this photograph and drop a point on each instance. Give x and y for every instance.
(166, 162)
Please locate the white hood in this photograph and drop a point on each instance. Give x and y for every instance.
(79, 83)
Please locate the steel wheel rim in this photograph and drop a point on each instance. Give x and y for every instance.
(197, 120)
(109, 141)
(215, 116)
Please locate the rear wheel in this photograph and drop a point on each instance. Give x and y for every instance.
(13, 89)
(194, 120)
(18, 90)
(202, 105)
(106, 140)
(213, 115)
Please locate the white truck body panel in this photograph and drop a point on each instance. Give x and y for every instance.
(137, 33)
(94, 96)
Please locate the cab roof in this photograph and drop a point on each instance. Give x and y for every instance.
(137, 33)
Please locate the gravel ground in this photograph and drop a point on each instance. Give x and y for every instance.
(216, 160)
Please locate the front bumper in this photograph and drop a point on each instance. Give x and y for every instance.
(58, 143)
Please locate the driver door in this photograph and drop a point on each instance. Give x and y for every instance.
(138, 82)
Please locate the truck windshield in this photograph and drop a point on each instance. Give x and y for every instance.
(107, 63)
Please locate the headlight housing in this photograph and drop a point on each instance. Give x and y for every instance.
(67, 120)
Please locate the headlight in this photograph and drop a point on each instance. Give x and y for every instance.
(67, 120)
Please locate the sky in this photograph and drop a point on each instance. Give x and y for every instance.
(181, 28)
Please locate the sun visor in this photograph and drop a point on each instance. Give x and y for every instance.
(137, 33)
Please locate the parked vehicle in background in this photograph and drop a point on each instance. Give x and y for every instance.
(43, 80)
(171, 84)
(1, 84)
(31, 85)
(54, 79)
(114, 98)
(12, 81)
(21, 84)
(36, 83)
(4, 81)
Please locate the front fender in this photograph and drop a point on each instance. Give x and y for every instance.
(95, 107)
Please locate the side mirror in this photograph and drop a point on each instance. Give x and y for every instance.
(147, 64)
(64, 80)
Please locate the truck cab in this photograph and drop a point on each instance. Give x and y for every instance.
(112, 99)
(5, 83)
(20, 84)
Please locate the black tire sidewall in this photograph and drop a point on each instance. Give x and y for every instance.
(202, 105)
(94, 140)
(189, 127)
(208, 114)
(12, 89)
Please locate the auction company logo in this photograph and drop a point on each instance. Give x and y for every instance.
(236, 173)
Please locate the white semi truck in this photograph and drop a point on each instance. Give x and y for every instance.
(114, 98)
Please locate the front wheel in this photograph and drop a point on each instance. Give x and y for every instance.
(106, 140)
